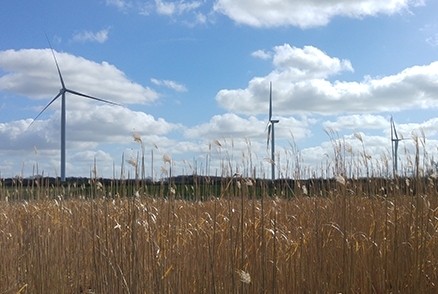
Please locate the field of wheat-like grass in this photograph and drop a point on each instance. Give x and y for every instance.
(356, 231)
(338, 243)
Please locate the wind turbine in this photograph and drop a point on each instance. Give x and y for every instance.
(271, 124)
(394, 145)
(62, 93)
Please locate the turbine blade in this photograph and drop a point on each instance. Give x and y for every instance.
(267, 125)
(50, 103)
(269, 135)
(395, 131)
(56, 62)
(92, 97)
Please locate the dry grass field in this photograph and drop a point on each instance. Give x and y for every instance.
(238, 235)
(345, 242)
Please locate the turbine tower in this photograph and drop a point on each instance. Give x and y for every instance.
(62, 93)
(271, 130)
(394, 145)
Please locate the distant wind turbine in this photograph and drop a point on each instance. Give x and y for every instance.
(394, 143)
(271, 133)
(62, 93)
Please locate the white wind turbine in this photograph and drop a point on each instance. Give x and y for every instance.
(62, 93)
(271, 130)
(394, 145)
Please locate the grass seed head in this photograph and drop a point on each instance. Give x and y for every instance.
(244, 276)
(137, 138)
(358, 136)
(164, 169)
(166, 158)
(249, 182)
(340, 179)
(132, 162)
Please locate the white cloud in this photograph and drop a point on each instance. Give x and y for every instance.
(121, 4)
(357, 121)
(85, 129)
(88, 156)
(166, 8)
(201, 18)
(170, 84)
(261, 54)
(300, 85)
(308, 62)
(89, 36)
(111, 124)
(228, 124)
(304, 13)
(32, 72)
(170, 8)
(232, 125)
(433, 41)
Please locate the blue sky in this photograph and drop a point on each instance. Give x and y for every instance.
(192, 72)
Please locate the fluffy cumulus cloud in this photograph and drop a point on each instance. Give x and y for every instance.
(32, 72)
(228, 124)
(352, 122)
(303, 13)
(113, 123)
(307, 62)
(303, 84)
(232, 125)
(85, 129)
(261, 54)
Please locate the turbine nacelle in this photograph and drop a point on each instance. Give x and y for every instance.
(269, 127)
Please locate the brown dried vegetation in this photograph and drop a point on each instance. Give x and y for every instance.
(346, 235)
(341, 243)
